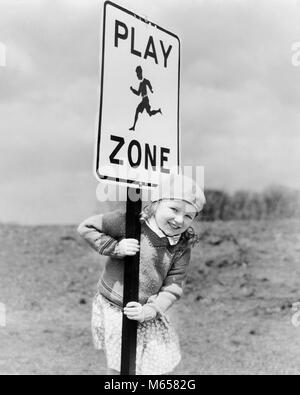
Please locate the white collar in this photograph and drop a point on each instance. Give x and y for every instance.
(173, 240)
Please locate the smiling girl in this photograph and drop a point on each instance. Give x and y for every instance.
(165, 251)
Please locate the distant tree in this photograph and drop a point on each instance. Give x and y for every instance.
(215, 208)
(274, 202)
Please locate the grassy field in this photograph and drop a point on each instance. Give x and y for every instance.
(234, 318)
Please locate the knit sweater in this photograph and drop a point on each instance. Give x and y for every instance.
(163, 268)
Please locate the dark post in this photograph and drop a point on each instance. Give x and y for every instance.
(131, 286)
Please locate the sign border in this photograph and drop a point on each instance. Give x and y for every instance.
(98, 175)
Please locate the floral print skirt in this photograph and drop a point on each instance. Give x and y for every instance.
(158, 350)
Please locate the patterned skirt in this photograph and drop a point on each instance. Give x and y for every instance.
(158, 350)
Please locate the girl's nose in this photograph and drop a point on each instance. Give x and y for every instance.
(179, 219)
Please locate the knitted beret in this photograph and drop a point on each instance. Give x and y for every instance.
(179, 187)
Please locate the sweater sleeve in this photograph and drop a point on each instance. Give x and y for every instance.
(92, 231)
(173, 285)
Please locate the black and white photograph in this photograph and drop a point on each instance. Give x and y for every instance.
(150, 190)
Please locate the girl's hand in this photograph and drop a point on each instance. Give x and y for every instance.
(134, 311)
(128, 247)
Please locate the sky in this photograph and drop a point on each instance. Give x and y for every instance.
(240, 96)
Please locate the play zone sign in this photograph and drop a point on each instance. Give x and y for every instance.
(138, 137)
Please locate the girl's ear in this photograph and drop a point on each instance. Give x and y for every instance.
(149, 211)
(154, 208)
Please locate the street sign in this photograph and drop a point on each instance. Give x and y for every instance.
(138, 135)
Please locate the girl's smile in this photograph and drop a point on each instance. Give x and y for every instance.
(174, 226)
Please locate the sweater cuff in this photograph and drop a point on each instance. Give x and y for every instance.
(109, 248)
(161, 302)
(149, 312)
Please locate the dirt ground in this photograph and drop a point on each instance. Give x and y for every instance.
(235, 316)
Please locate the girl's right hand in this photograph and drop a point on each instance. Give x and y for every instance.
(128, 247)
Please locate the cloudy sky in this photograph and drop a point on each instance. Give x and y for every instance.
(240, 98)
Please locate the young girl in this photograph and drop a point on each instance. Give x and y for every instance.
(165, 250)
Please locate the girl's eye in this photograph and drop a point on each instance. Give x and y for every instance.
(189, 217)
(174, 209)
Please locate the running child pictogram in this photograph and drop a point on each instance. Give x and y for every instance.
(144, 104)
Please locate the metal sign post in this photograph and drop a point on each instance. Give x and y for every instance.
(131, 287)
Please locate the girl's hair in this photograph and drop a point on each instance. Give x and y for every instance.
(189, 236)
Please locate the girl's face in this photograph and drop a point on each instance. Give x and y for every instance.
(174, 217)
